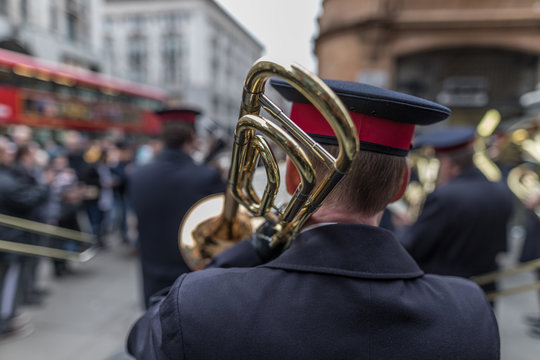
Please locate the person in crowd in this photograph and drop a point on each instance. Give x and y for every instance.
(99, 199)
(345, 288)
(74, 144)
(121, 170)
(463, 224)
(531, 251)
(28, 175)
(161, 192)
(66, 195)
(20, 195)
(148, 151)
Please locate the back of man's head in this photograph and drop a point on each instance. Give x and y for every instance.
(385, 122)
(455, 144)
(178, 126)
(177, 134)
(372, 182)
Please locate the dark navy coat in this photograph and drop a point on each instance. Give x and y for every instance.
(161, 193)
(531, 245)
(462, 227)
(341, 291)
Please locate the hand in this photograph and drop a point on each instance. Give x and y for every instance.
(260, 240)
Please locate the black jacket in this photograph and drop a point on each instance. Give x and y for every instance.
(161, 193)
(20, 196)
(341, 291)
(462, 227)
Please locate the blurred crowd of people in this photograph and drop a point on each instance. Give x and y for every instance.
(74, 182)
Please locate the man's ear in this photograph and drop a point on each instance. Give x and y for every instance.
(292, 178)
(404, 183)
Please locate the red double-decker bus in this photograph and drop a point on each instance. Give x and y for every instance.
(41, 94)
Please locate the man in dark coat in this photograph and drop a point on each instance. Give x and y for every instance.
(161, 193)
(345, 289)
(463, 224)
(531, 248)
(20, 195)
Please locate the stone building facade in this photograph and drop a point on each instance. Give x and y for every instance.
(192, 49)
(62, 31)
(468, 54)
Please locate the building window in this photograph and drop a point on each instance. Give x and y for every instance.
(76, 23)
(3, 7)
(54, 17)
(171, 56)
(214, 56)
(72, 20)
(137, 57)
(24, 9)
(215, 104)
(109, 51)
(138, 24)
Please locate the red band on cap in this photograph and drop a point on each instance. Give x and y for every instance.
(370, 129)
(447, 149)
(187, 117)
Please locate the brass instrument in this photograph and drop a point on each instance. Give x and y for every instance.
(425, 164)
(85, 243)
(484, 130)
(496, 275)
(200, 240)
(528, 139)
(524, 183)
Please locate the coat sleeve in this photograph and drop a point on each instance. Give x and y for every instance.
(157, 333)
(242, 254)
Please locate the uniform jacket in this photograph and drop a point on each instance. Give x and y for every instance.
(161, 193)
(341, 291)
(462, 227)
(531, 245)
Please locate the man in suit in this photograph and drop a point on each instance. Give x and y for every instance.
(463, 224)
(345, 288)
(161, 193)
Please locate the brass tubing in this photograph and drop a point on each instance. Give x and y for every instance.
(45, 229)
(513, 291)
(203, 236)
(37, 250)
(304, 140)
(496, 275)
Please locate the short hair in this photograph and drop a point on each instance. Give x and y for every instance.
(371, 183)
(176, 133)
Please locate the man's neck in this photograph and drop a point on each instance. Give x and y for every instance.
(326, 214)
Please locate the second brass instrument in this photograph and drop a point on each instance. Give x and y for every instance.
(75, 245)
(199, 241)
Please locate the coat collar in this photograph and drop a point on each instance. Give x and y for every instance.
(170, 154)
(353, 250)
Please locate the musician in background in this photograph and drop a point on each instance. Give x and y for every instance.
(463, 224)
(345, 289)
(531, 251)
(161, 192)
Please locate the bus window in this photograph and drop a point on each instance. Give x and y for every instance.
(88, 94)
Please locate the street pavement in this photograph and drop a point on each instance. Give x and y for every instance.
(87, 314)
